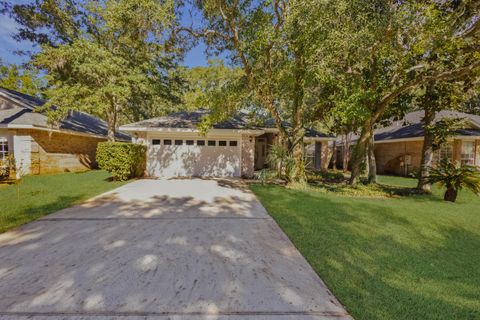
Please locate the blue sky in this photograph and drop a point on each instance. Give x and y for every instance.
(8, 46)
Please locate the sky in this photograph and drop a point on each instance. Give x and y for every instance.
(8, 46)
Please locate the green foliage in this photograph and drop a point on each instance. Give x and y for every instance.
(123, 160)
(442, 129)
(44, 194)
(114, 59)
(387, 258)
(454, 178)
(7, 167)
(20, 79)
(281, 160)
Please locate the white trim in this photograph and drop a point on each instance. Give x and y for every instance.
(397, 140)
(308, 139)
(33, 127)
(190, 130)
(250, 132)
(467, 138)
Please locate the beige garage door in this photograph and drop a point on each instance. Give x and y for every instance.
(170, 157)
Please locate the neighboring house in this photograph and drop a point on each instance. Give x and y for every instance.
(40, 148)
(176, 147)
(398, 147)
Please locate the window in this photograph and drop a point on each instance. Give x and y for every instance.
(189, 142)
(310, 155)
(467, 157)
(156, 142)
(178, 142)
(212, 143)
(445, 151)
(200, 142)
(222, 143)
(167, 142)
(3, 147)
(233, 143)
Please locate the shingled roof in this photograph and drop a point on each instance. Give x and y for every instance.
(191, 120)
(20, 111)
(411, 126)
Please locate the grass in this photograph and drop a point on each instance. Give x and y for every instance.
(37, 196)
(412, 257)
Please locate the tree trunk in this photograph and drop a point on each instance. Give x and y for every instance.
(450, 194)
(359, 153)
(427, 152)
(299, 174)
(346, 153)
(334, 155)
(111, 130)
(112, 122)
(372, 165)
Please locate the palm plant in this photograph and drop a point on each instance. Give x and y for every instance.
(454, 178)
(280, 159)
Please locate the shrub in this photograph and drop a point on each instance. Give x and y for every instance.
(123, 160)
(454, 178)
(7, 167)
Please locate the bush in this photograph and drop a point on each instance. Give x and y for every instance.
(7, 167)
(454, 178)
(123, 160)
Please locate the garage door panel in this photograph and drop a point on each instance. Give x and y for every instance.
(185, 160)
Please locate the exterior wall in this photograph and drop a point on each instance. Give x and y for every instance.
(477, 153)
(22, 152)
(457, 150)
(248, 156)
(390, 157)
(193, 160)
(59, 152)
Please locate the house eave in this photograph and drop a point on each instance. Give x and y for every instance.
(33, 127)
(458, 137)
(192, 130)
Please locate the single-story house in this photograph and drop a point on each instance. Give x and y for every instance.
(40, 148)
(398, 146)
(232, 148)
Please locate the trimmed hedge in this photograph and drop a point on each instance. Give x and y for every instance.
(124, 160)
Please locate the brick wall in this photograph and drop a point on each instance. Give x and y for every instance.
(390, 157)
(59, 152)
(248, 153)
(477, 153)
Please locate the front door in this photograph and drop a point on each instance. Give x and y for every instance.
(260, 153)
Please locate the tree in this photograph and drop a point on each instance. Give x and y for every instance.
(432, 98)
(379, 52)
(266, 40)
(24, 80)
(115, 59)
(214, 87)
(455, 177)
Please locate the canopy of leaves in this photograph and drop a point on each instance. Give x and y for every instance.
(120, 63)
(24, 80)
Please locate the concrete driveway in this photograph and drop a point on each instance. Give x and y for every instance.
(160, 249)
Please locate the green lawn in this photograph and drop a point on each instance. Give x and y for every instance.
(414, 257)
(37, 196)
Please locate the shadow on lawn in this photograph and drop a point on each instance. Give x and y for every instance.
(29, 213)
(382, 264)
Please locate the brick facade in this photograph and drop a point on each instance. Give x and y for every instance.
(53, 152)
(390, 157)
(248, 156)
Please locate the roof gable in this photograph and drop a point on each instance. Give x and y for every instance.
(18, 109)
(191, 120)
